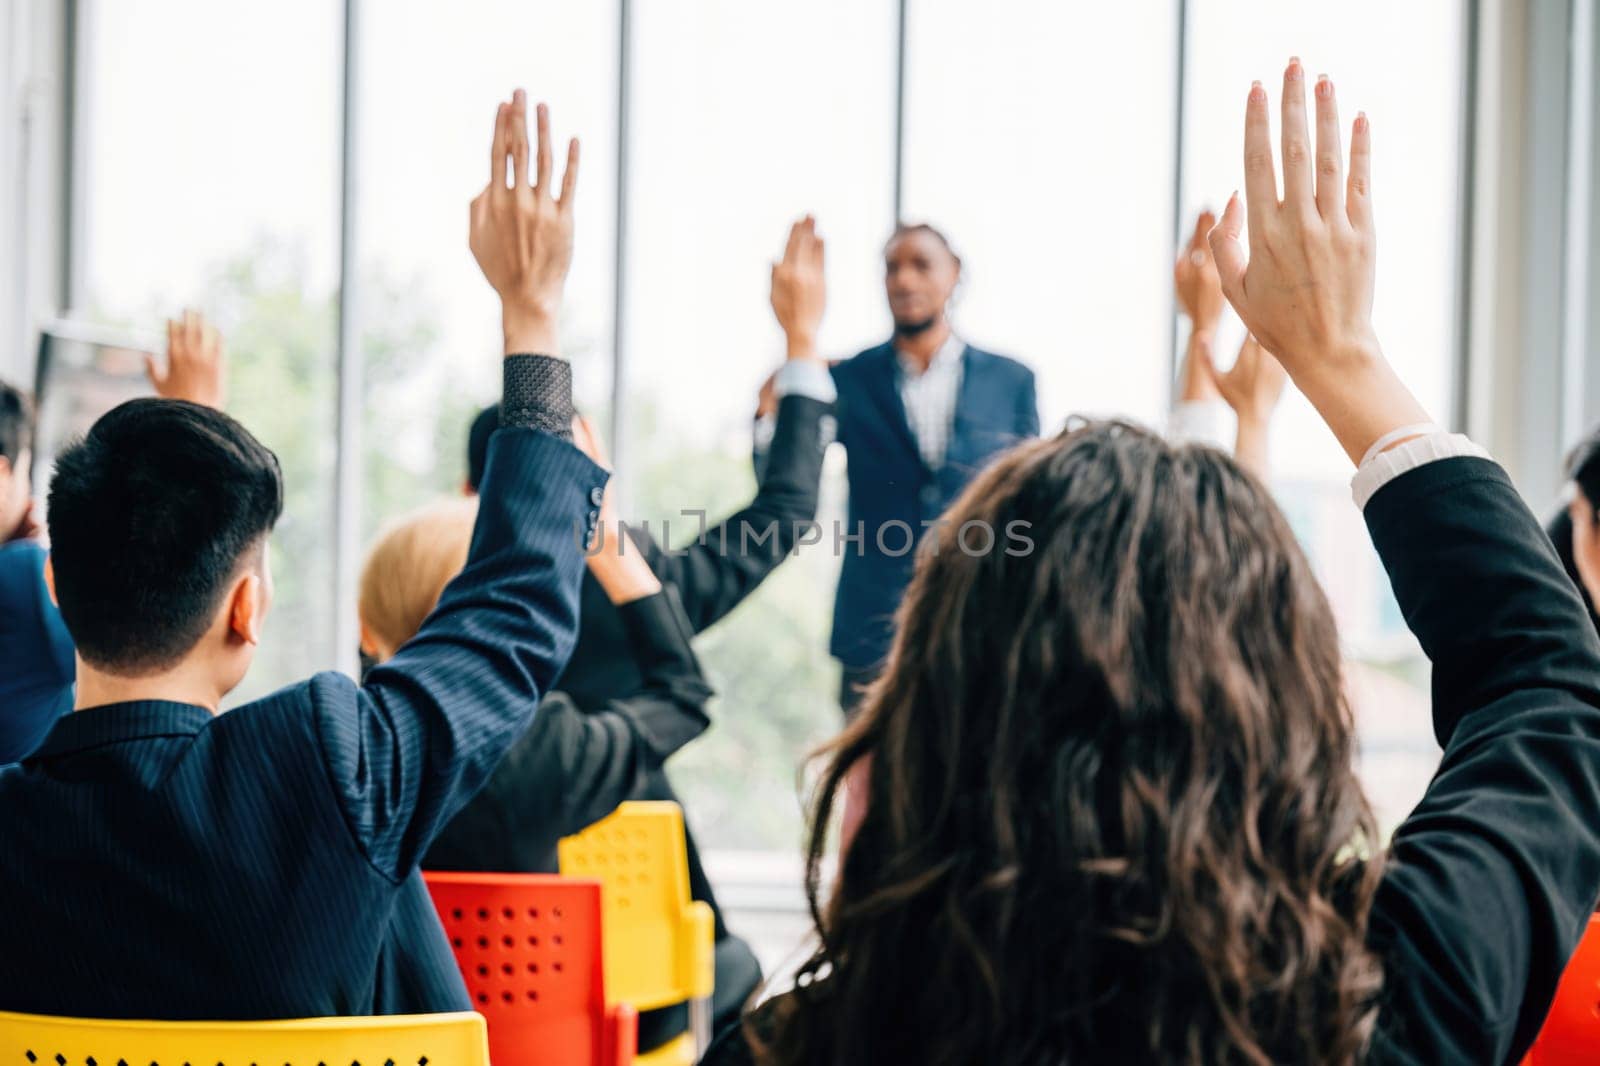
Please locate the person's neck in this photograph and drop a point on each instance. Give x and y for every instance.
(920, 348)
(184, 683)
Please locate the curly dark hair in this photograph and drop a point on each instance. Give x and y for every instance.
(1113, 810)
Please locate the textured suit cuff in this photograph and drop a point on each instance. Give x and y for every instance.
(537, 394)
(1378, 470)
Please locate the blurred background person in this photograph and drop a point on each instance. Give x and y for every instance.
(36, 658)
(918, 415)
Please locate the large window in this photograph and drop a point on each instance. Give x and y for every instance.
(431, 324)
(746, 116)
(211, 160)
(1412, 95)
(1040, 136)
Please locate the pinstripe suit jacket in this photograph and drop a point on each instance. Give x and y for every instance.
(158, 862)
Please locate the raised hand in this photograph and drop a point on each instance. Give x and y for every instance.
(521, 233)
(799, 294)
(1194, 276)
(194, 369)
(28, 526)
(1252, 387)
(1305, 288)
(1254, 383)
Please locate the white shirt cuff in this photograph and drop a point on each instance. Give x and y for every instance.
(1384, 467)
(1200, 422)
(805, 377)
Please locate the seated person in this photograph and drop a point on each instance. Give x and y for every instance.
(571, 767)
(36, 655)
(36, 665)
(161, 860)
(1111, 808)
(712, 576)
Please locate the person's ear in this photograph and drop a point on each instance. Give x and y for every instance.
(247, 608)
(50, 580)
(371, 646)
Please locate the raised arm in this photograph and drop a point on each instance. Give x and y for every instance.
(1491, 880)
(1197, 415)
(1304, 289)
(574, 766)
(607, 754)
(433, 721)
(1252, 386)
(714, 574)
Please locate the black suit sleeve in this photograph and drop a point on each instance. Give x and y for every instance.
(420, 737)
(601, 757)
(716, 572)
(1490, 882)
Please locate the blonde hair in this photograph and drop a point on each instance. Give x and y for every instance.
(409, 565)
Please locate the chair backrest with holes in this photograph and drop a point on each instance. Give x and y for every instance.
(396, 1040)
(1571, 1033)
(530, 948)
(659, 947)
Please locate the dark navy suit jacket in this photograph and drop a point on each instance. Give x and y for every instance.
(37, 665)
(892, 490)
(156, 861)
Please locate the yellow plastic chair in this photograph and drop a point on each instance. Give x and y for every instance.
(659, 943)
(400, 1039)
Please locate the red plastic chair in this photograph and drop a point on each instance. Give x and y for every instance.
(1571, 1033)
(530, 948)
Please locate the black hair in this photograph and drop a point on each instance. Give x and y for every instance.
(903, 228)
(1583, 467)
(150, 516)
(16, 423)
(483, 428)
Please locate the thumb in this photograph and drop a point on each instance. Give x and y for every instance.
(1229, 252)
(152, 372)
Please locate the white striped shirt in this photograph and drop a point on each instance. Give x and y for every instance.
(929, 397)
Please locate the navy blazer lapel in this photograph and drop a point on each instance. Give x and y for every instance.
(972, 366)
(883, 383)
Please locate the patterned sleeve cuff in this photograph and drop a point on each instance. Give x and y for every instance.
(1378, 470)
(537, 394)
(805, 377)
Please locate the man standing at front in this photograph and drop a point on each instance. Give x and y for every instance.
(918, 415)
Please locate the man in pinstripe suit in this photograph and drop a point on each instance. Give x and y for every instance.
(160, 860)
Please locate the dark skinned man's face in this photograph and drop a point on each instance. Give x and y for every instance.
(919, 276)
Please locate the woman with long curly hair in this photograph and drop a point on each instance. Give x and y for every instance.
(1105, 800)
